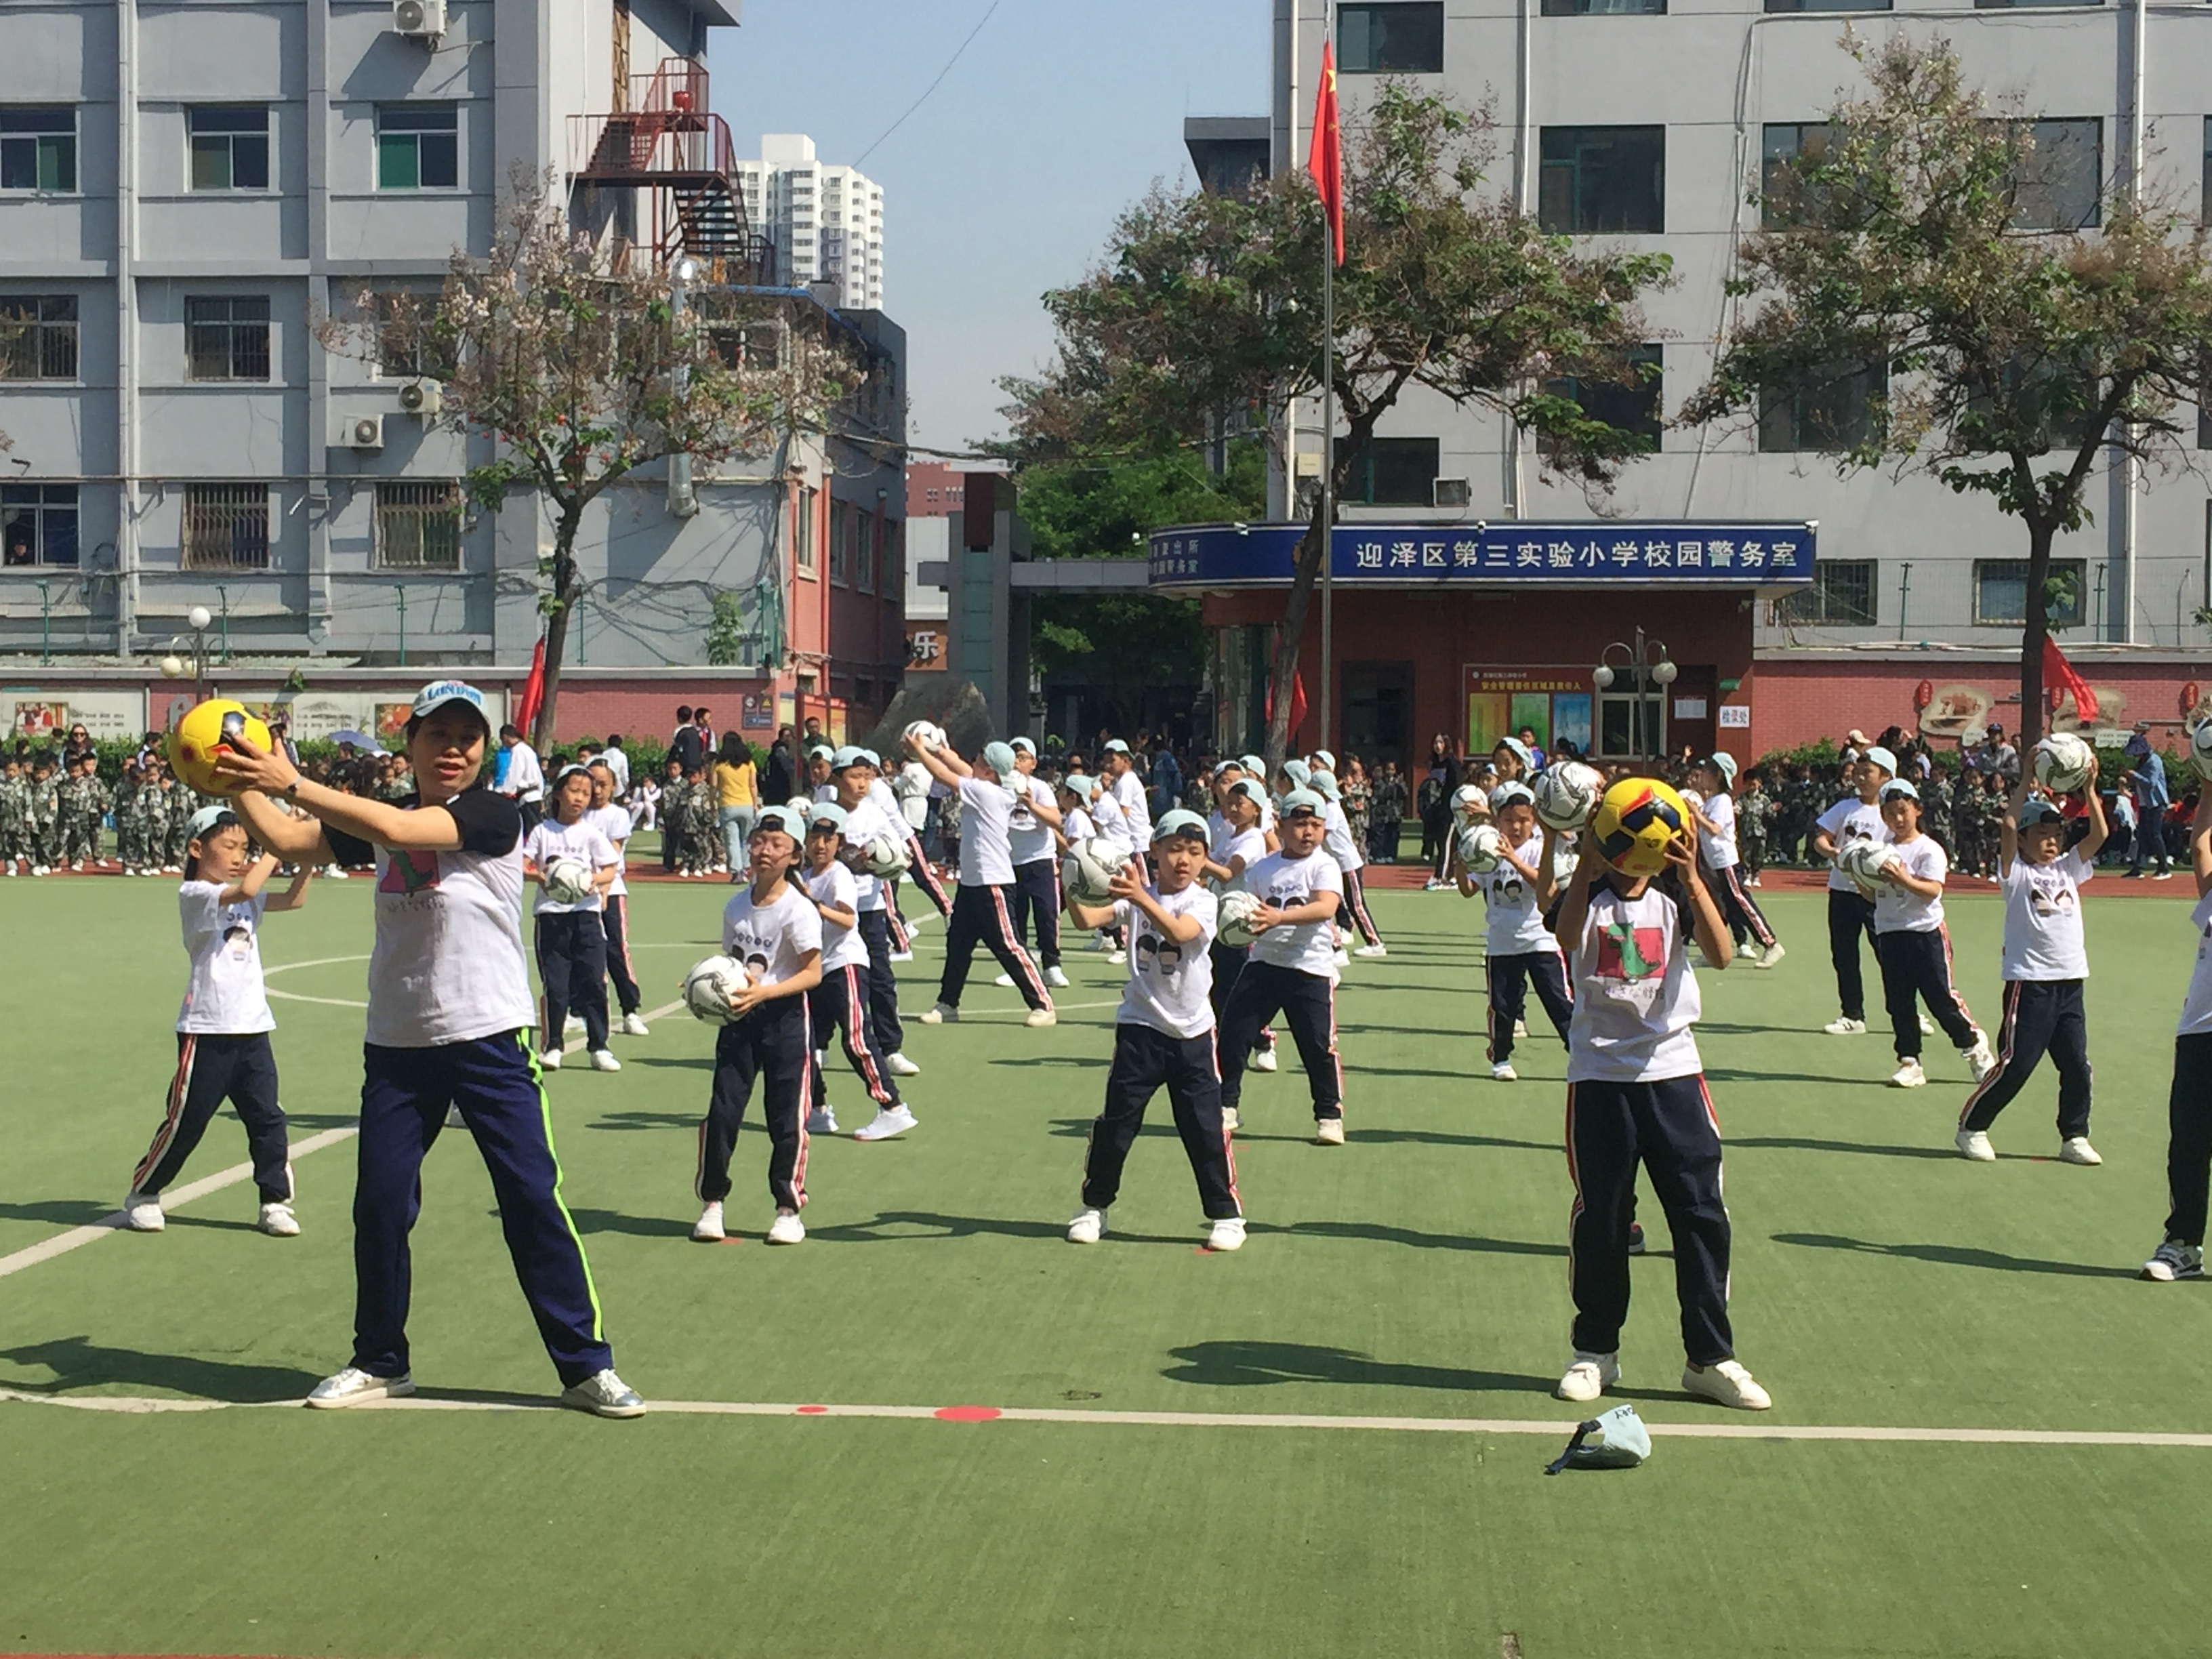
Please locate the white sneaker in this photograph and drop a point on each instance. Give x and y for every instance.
(1263, 1060)
(1520, 1028)
(278, 1221)
(786, 1228)
(1343, 958)
(1372, 951)
(603, 1061)
(1979, 1057)
(1117, 958)
(1041, 1016)
(1056, 978)
(1226, 1234)
(142, 1213)
(708, 1229)
(1975, 1144)
(1728, 1383)
(900, 955)
(943, 1014)
(1750, 950)
(550, 1059)
(1088, 1227)
(1328, 1130)
(1767, 959)
(1590, 1375)
(2077, 1149)
(1504, 1073)
(1845, 1026)
(603, 1395)
(1908, 1075)
(888, 1121)
(1005, 982)
(900, 1065)
(2173, 1260)
(633, 1025)
(1926, 1026)
(821, 1121)
(354, 1387)
(572, 1026)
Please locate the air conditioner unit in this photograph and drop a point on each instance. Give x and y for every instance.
(364, 432)
(1451, 492)
(419, 19)
(422, 398)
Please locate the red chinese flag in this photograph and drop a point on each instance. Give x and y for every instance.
(2058, 676)
(1297, 703)
(533, 688)
(1325, 157)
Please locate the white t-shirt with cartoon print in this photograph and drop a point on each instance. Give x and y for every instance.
(552, 841)
(1170, 984)
(1896, 909)
(1513, 925)
(613, 822)
(2042, 919)
(1286, 883)
(771, 939)
(842, 947)
(863, 824)
(1029, 837)
(225, 996)
(1848, 820)
(1635, 998)
(1717, 846)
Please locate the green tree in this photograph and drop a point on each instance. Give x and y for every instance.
(2018, 355)
(1207, 311)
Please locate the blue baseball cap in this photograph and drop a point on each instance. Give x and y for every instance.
(791, 822)
(999, 758)
(205, 821)
(1024, 746)
(825, 812)
(1180, 822)
(1303, 800)
(851, 755)
(1508, 793)
(1252, 789)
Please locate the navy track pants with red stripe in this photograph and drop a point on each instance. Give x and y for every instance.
(980, 916)
(840, 1004)
(211, 1069)
(774, 1046)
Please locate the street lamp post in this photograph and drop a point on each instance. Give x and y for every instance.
(195, 667)
(1646, 663)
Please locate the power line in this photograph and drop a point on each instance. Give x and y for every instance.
(931, 88)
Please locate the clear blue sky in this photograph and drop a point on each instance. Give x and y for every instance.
(1005, 182)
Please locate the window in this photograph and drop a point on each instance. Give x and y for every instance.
(1399, 38)
(1631, 725)
(2001, 592)
(418, 147)
(38, 334)
(1605, 7)
(227, 337)
(2007, 5)
(38, 150)
(803, 539)
(418, 526)
(229, 147)
(1782, 190)
(1598, 180)
(1842, 595)
(1829, 408)
(840, 536)
(226, 527)
(38, 525)
(2062, 184)
(871, 551)
(1395, 472)
(1625, 396)
(1829, 5)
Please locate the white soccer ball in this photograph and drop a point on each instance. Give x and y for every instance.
(709, 985)
(885, 857)
(1480, 847)
(925, 735)
(2200, 751)
(1866, 864)
(1567, 794)
(2063, 762)
(568, 881)
(802, 804)
(1089, 868)
(1232, 923)
(1469, 797)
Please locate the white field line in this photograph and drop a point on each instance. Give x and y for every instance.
(139, 1405)
(177, 1197)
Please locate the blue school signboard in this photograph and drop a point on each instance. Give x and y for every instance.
(1515, 552)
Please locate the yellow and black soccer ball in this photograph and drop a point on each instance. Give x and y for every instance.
(203, 732)
(1634, 822)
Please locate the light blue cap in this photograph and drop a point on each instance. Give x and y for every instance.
(788, 819)
(825, 811)
(1303, 800)
(999, 758)
(1180, 822)
(851, 755)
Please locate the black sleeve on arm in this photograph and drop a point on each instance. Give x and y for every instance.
(350, 851)
(490, 825)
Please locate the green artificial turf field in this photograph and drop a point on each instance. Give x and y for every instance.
(1419, 1271)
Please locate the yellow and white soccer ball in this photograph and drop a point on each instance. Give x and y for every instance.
(2063, 762)
(1636, 821)
(204, 731)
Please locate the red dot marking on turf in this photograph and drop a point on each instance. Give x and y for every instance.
(812, 1411)
(966, 1414)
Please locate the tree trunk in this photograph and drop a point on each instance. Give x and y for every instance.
(2031, 641)
(1312, 548)
(557, 630)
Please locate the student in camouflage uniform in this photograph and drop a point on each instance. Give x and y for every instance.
(695, 856)
(675, 808)
(1754, 818)
(14, 815)
(44, 818)
(126, 817)
(171, 818)
(78, 823)
(1935, 813)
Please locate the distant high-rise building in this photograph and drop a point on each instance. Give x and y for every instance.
(826, 222)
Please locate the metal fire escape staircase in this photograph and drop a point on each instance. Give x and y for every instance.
(669, 147)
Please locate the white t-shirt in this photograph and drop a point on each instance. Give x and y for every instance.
(915, 788)
(1029, 837)
(1336, 837)
(1897, 911)
(1110, 821)
(618, 763)
(1635, 1000)
(448, 965)
(862, 825)
(224, 997)
(842, 947)
(986, 806)
(1848, 820)
(526, 778)
(2196, 1007)
(1717, 844)
(1285, 883)
(613, 821)
(2042, 919)
(1513, 925)
(1229, 842)
(1129, 791)
(581, 840)
(773, 938)
(1170, 986)
(1075, 823)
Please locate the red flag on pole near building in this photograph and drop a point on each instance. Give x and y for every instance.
(2060, 677)
(1325, 155)
(533, 688)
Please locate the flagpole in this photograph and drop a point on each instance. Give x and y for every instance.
(1328, 453)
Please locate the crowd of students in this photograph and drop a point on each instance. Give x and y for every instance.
(1232, 913)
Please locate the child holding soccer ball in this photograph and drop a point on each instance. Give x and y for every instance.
(1635, 1093)
(1912, 946)
(222, 1029)
(572, 940)
(2189, 1103)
